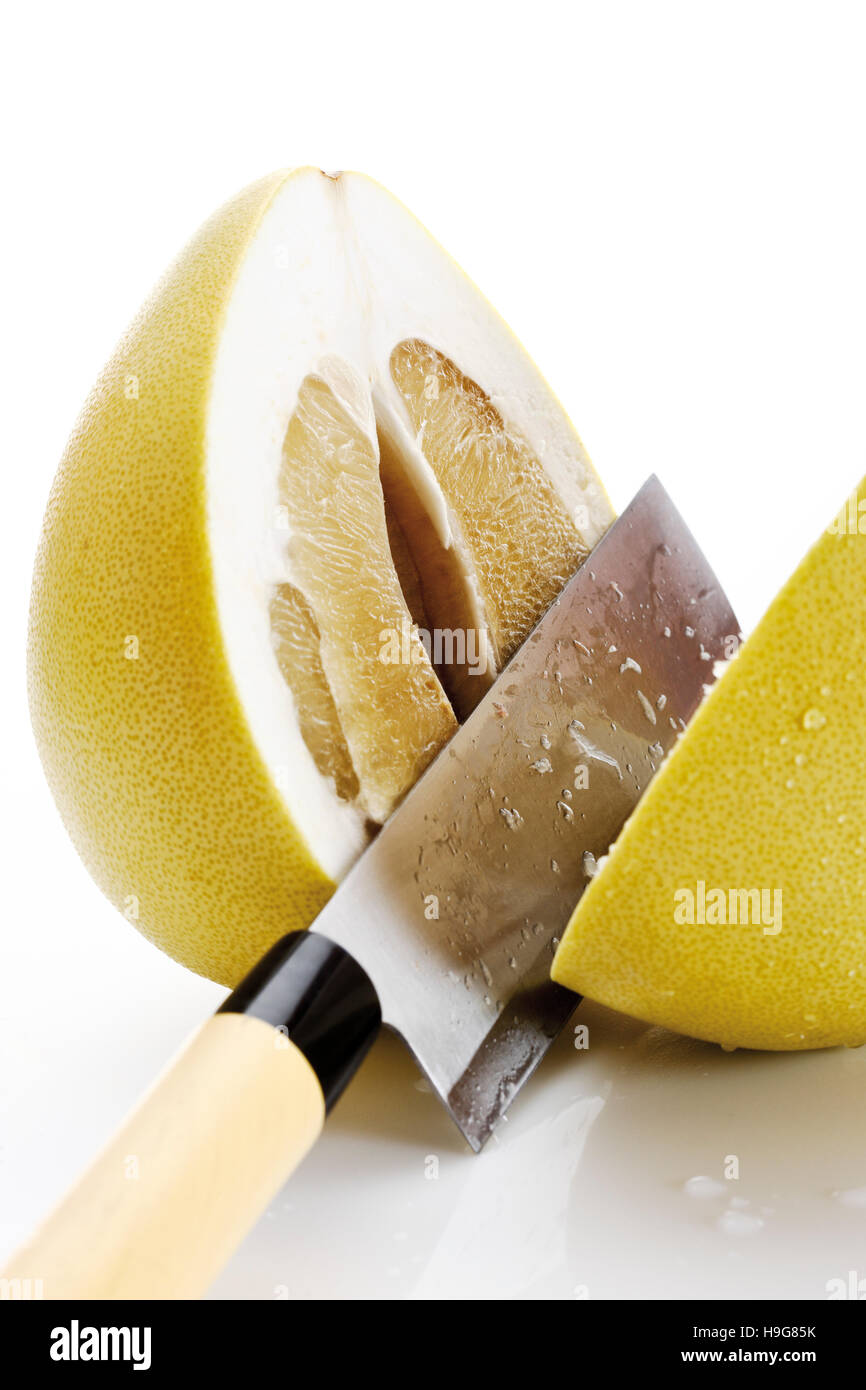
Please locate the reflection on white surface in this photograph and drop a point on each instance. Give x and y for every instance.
(507, 1234)
(608, 1179)
(588, 1189)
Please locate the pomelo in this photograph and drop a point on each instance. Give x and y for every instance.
(733, 904)
(316, 444)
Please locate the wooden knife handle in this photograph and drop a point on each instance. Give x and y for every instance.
(194, 1166)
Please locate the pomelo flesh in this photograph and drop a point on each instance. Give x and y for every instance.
(392, 718)
(733, 904)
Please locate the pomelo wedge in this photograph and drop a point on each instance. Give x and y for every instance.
(316, 444)
(733, 905)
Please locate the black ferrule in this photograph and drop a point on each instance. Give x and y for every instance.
(326, 1003)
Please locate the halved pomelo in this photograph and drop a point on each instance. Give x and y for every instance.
(316, 500)
(733, 904)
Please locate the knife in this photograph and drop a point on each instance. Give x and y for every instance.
(444, 930)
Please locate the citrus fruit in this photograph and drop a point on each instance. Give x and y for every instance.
(317, 498)
(733, 904)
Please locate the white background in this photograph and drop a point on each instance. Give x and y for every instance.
(667, 202)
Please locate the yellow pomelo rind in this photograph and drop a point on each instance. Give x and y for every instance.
(136, 716)
(765, 791)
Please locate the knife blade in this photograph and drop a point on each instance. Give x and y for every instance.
(456, 909)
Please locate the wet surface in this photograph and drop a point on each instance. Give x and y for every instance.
(587, 1189)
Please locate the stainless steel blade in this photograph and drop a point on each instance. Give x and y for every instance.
(457, 907)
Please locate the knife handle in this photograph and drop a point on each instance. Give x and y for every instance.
(198, 1161)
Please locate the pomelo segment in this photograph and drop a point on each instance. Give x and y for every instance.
(394, 717)
(317, 445)
(297, 640)
(733, 905)
(496, 491)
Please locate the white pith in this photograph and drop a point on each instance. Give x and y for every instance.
(339, 273)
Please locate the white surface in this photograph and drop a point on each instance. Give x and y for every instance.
(666, 202)
(583, 1192)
